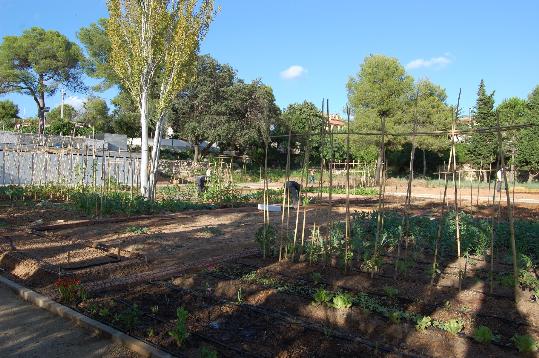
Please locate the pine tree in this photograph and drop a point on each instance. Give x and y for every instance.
(482, 147)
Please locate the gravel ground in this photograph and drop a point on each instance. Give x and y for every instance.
(29, 331)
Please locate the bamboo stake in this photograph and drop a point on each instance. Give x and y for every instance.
(440, 225)
(509, 210)
(347, 233)
(457, 222)
(285, 195)
(493, 232)
(405, 220)
(381, 192)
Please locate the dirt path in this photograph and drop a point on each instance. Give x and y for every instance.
(29, 331)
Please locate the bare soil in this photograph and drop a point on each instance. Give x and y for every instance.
(197, 259)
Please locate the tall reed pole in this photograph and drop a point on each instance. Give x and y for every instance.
(509, 209)
(405, 220)
(347, 234)
(457, 219)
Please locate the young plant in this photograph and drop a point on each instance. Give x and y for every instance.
(317, 277)
(239, 295)
(453, 326)
(154, 309)
(151, 332)
(206, 352)
(179, 333)
(423, 323)
(70, 289)
(130, 317)
(483, 334)
(322, 297)
(391, 292)
(342, 301)
(395, 316)
(525, 343)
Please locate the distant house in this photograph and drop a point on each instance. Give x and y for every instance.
(335, 123)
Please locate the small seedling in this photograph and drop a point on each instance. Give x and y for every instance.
(206, 352)
(423, 323)
(239, 295)
(151, 332)
(322, 297)
(179, 333)
(483, 334)
(395, 316)
(391, 292)
(342, 301)
(154, 309)
(453, 326)
(317, 277)
(525, 343)
(104, 312)
(139, 230)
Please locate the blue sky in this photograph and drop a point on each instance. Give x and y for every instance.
(306, 50)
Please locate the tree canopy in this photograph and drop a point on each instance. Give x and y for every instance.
(37, 63)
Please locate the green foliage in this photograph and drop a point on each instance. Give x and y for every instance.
(342, 301)
(37, 62)
(391, 292)
(395, 316)
(483, 334)
(453, 326)
(9, 111)
(206, 352)
(316, 277)
(179, 333)
(423, 323)
(129, 317)
(266, 236)
(322, 297)
(482, 147)
(139, 230)
(525, 343)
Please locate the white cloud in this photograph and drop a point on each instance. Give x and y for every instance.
(75, 102)
(435, 62)
(293, 72)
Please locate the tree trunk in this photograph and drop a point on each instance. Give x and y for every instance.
(156, 150)
(144, 184)
(424, 164)
(41, 105)
(196, 149)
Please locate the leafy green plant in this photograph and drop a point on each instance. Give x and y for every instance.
(139, 230)
(266, 237)
(150, 332)
(104, 312)
(342, 301)
(129, 317)
(391, 292)
(395, 316)
(206, 352)
(483, 334)
(179, 333)
(453, 326)
(506, 280)
(154, 309)
(423, 323)
(525, 343)
(322, 297)
(316, 277)
(70, 289)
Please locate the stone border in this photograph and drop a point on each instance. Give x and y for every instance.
(83, 321)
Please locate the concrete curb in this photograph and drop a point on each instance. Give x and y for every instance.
(83, 321)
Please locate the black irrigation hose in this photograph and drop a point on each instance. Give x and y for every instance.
(399, 297)
(296, 320)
